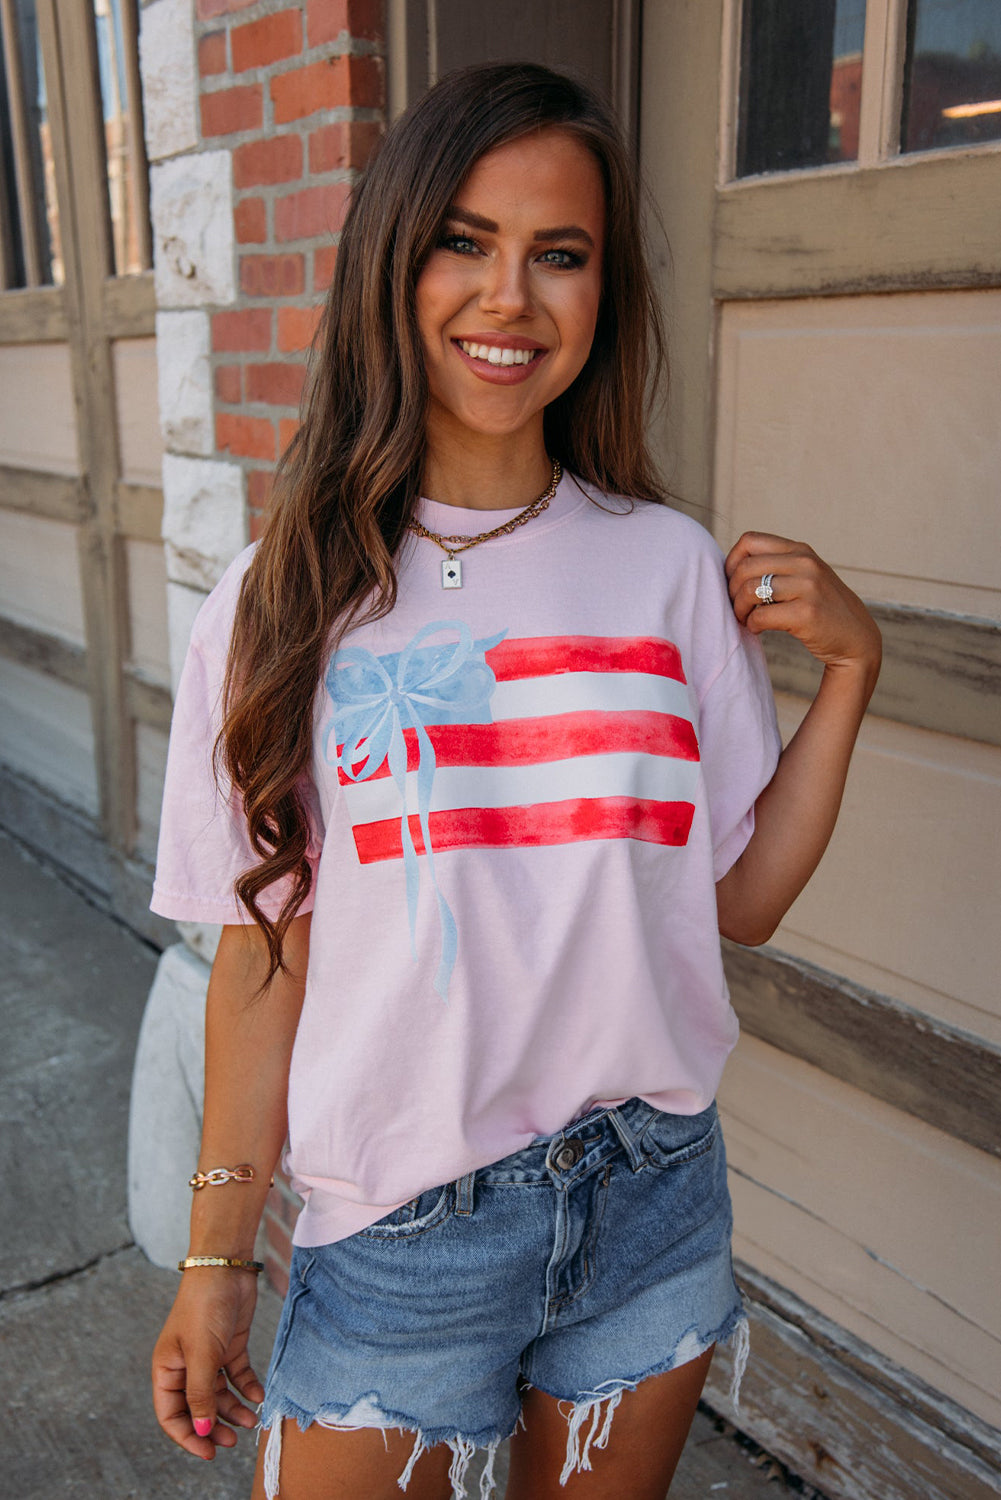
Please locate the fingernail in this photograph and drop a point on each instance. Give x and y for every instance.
(203, 1426)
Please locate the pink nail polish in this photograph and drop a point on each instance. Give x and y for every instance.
(203, 1426)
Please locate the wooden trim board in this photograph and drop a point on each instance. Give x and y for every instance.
(139, 510)
(845, 1418)
(851, 229)
(944, 1076)
(41, 652)
(128, 305)
(146, 702)
(57, 497)
(36, 315)
(940, 671)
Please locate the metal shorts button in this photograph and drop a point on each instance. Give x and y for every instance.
(569, 1155)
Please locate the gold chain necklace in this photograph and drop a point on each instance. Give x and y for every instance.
(451, 568)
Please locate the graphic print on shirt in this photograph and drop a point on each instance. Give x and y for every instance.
(509, 743)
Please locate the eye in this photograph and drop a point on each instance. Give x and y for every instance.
(460, 244)
(563, 260)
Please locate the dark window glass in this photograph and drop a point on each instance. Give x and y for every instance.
(29, 222)
(952, 77)
(800, 83)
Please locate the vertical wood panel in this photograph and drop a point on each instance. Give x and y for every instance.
(38, 434)
(148, 609)
(140, 442)
(37, 568)
(679, 118)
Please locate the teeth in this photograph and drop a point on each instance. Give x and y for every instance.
(495, 356)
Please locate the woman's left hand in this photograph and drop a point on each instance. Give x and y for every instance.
(809, 601)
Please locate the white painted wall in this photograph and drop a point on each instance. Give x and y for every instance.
(140, 446)
(46, 734)
(37, 413)
(869, 426)
(146, 571)
(40, 576)
(905, 899)
(886, 1225)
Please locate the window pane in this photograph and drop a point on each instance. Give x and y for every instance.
(124, 196)
(952, 79)
(800, 83)
(29, 216)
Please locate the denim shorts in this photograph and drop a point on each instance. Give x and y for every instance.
(580, 1265)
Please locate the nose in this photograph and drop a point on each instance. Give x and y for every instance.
(507, 291)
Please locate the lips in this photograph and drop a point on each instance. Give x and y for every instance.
(497, 354)
(500, 359)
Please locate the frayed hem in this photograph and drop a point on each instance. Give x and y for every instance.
(463, 1450)
(741, 1335)
(586, 1411)
(579, 1454)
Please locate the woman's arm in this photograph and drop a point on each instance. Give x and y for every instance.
(248, 1048)
(795, 815)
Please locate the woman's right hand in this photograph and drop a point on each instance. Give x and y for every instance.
(202, 1353)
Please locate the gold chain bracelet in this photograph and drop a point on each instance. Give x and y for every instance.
(219, 1175)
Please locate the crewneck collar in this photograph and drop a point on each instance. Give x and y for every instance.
(463, 520)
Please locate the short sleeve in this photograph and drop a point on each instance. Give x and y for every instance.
(204, 845)
(740, 746)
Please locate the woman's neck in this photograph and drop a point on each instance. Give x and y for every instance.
(496, 474)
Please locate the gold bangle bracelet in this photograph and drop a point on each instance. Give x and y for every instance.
(192, 1262)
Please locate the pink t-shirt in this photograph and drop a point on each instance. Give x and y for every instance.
(523, 792)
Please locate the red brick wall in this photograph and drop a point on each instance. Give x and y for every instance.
(280, 1214)
(296, 93)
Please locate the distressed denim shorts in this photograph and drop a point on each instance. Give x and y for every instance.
(580, 1265)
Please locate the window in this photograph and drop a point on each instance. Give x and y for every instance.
(952, 74)
(100, 91)
(30, 253)
(801, 83)
(115, 22)
(834, 81)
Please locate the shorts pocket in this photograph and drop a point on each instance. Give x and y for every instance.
(426, 1211)
(671, 1140)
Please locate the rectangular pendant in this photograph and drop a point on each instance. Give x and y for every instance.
(451, 573)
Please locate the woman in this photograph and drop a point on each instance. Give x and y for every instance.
(497, 764)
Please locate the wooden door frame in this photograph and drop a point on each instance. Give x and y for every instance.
(411, 62)
(92, 309)
(832, 231)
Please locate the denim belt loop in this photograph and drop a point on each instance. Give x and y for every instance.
(464, 1193)
(629, 1143)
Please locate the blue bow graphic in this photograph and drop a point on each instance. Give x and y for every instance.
(375, 699)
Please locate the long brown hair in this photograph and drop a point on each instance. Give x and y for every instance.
(348, 483)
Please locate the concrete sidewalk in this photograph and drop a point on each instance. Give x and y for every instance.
(80, 1305)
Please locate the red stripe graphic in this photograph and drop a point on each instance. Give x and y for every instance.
(542, 823)
(544, 656)
(526, 742)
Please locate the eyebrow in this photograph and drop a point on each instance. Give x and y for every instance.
(477, 221)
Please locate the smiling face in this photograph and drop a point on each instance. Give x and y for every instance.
(508, 299)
